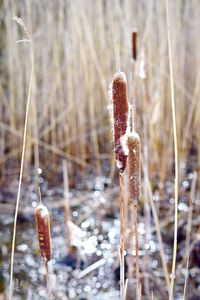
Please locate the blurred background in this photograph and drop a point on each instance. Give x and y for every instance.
(78, 46)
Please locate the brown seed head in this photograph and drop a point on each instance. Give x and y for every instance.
(134, 166)
(134, 44)
(43, 231)
(120, 115)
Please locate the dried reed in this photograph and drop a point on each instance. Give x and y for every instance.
(149, 196)
(173, 273)
(188, 230)
(67, 203)
(21, 23)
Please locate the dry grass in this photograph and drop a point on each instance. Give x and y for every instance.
(72, 76)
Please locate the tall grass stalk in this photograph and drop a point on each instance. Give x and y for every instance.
(173, 272)
(189, 228)
(155, 217)
(21, 23)
(157, 225)
(67, 204)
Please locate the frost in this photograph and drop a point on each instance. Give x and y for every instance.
(43, 211)
(119, 164)
(120, 76)
(141, 66)
(110, 92)
(123, 142)
(110, 106)
(134, 135)
(110, 112)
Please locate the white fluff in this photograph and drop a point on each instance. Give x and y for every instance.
(121, 76)
(43, 211)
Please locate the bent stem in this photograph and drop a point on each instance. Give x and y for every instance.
(175, 154)
(20, 22)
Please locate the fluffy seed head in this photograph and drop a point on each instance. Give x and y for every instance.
(120, 116)
(43, 231)
(134, 166)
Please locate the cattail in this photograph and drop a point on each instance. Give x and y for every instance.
(134, 166)
(43, 231)
(134, 44)
(120, 114)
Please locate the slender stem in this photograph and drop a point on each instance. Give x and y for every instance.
(122, 272)
(47, 279)
(118, 55)
(188, 232)
(175, 153)
(155, 217)
(137, 269)
(131, 256)
(40, 197)
(20, 175)
(67, 203)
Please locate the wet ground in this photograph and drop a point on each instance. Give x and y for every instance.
(88, 269)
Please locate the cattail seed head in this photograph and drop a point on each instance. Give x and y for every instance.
(120, 115)
(43, 231)
(134, 44)
(134, 166)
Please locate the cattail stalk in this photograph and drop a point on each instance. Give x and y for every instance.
(134, 166)
(120, 116)
(134, 188)
(43, 231)
(134, 44)
(44, 238)
(134, 36)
